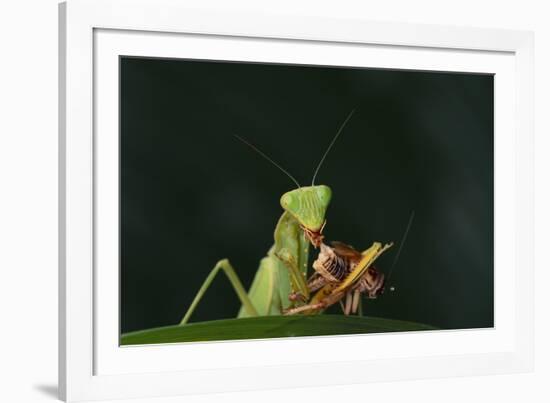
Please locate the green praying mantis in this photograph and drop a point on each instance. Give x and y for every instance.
(283, 271)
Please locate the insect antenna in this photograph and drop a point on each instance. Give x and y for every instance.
(403, 239)
(267, 158)
(330, 146)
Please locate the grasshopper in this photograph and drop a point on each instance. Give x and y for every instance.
(283, 271)
(343, 272)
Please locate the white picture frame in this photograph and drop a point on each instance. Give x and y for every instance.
(92, 365)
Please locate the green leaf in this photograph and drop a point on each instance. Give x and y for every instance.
(269, 327)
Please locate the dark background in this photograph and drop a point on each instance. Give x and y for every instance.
(192, 194)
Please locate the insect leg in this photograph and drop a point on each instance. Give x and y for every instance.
(304, 308)
(347, 308)
(356, 301)
(318, 304)
(226, 267)
(297, 280)
(342, 306)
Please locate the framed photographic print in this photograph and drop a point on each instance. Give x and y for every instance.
(241, 192)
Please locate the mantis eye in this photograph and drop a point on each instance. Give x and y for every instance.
(286, 200)
(324, 194)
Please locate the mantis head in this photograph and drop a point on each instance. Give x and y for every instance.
(308, 206)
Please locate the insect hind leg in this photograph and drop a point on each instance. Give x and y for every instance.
(226, 267)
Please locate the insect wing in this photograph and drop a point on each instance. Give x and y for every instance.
(369, 256)
(347, 251)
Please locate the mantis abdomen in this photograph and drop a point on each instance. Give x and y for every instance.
(281, 272)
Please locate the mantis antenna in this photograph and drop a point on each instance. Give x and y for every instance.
(269, 159)
(403, 239)
(330, 146)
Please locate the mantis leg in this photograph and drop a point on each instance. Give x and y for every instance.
(235, 282)
(297, 280)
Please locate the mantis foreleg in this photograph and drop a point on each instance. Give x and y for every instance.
(291, 251)
(235, 282)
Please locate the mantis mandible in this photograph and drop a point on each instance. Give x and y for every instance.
(283, 271)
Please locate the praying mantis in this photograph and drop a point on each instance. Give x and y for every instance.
(282, 273)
